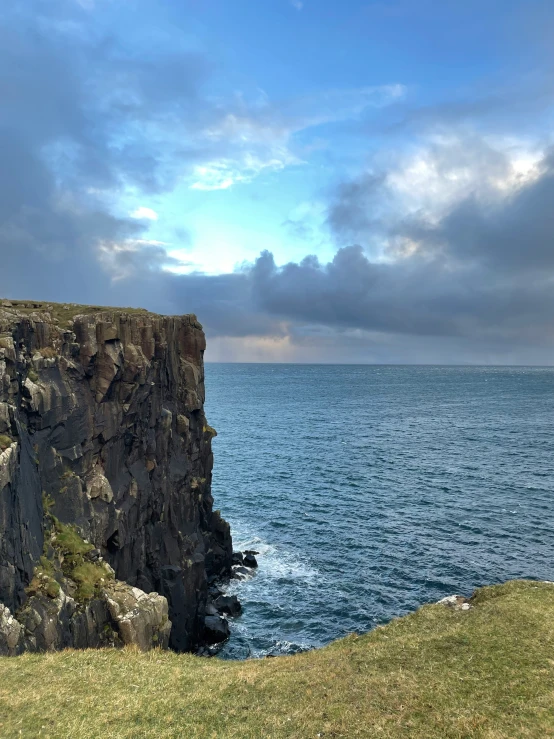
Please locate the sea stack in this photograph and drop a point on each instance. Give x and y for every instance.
(107, 528)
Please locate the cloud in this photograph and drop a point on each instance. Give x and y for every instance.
(144, 213)
(444, 246)
(479, 276)
(262, 136)
(297, 4)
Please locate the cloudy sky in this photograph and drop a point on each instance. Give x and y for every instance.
(318, 180)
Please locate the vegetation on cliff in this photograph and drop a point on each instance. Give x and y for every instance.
(65, 556)
(439, 673)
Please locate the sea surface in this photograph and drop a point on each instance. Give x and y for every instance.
(370, 490)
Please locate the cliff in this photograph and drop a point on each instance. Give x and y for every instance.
(105, 471)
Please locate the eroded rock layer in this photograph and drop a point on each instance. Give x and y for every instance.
(102, 423)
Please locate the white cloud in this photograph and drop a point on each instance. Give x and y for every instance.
(297, 4)
(260, 137)
(144, 213)
(445, 170)
(224, 173)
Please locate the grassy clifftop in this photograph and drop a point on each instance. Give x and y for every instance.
(437, 673)
(63, 312)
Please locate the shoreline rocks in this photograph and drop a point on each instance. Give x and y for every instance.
(220, 605)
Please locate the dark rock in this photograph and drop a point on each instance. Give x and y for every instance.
(214, 592)
(250, 561)
(237, 558)
(228, 604)
(216, 629)
(250, 551)
(107, 421)
(211, 610)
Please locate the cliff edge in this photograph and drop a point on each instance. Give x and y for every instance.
(107, 528)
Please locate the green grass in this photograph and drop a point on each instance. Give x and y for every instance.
(5, 442)
(435, 674)
(66, 312)
(68, 541)
(70, 551)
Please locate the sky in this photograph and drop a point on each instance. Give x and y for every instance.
(346, 181)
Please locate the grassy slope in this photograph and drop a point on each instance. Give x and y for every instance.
(487, 672)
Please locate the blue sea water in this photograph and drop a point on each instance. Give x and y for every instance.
(370, 490)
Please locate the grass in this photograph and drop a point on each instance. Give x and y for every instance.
(70, 557)
(66, 312)
(89, 576)
(68, 551)
(210, 431)
(48, 352)
(435, 674)
(68, 541)
(5, 442)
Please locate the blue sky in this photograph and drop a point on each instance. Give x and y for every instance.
(317, 180)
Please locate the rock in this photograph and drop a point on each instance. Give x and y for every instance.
(214, 592)
(251, 551)
(228, 604)
(141, 618)
(458, 602)
(250, 560)
(238, 558)
(108, 432)
(98, 486)
(183, 424)
(119, 615)
(211, 610)
(10, 631)
(450, 600)
(5, 423)
(216, 629)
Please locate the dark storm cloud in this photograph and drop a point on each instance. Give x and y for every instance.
(354, 205)
(81, 118)
(515, 238)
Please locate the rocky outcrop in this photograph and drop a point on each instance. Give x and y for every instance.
(117, 616)
(102, 429)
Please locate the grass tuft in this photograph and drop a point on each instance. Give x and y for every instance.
(5, 442)
(89, 578)
(68, 542)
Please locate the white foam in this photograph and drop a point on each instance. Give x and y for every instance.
(274, 562)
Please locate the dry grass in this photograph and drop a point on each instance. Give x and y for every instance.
(436, 674)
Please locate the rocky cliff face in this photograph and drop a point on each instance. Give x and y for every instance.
(105, 462)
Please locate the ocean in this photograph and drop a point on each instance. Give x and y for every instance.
(370, 490)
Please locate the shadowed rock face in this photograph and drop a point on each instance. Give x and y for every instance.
(103, 413)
